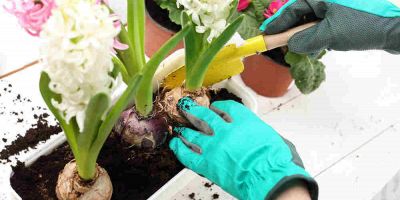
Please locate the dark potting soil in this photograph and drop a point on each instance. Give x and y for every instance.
(215, 196)
(278, 55)
(191, 195)
(135, 173)
(161, 16)
(41, 131)
(223, 94)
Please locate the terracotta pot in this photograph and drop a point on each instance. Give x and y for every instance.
(156, 36)
(266, 77)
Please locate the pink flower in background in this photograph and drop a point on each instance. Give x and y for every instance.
(274, 7)
(243, 4)
(117, 44)
(103, 1)
(31, 14)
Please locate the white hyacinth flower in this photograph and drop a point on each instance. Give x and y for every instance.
(78, 39)
(208, 15)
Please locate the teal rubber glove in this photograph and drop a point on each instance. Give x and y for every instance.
(238, 151)
(346, 25)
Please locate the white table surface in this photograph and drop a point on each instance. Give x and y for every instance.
(348, 132)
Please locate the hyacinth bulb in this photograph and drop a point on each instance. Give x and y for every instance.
(172, 97)
(71, 187)
(147, 133)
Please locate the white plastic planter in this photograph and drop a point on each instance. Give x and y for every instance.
(184, 177)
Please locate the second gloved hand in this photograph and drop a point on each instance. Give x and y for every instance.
(345, 25)
(238, 151)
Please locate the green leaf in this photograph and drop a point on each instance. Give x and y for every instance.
(174, 12)
(136, 21)
(307, 72)
(233, 10)
(259, 8)
(200, 68)
(194, 43)
(114, 114)
(254, 17)
(128, 56)
(94, 113)
(119, 67)
(144, 98)
(249, 27)
(69, 129)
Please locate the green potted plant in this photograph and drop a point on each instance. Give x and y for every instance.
(82, 103)
(144, 124)
(271, 73)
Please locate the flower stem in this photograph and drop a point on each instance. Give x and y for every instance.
(136, 19)
(86, 165)
(198, 71)
(144, 96)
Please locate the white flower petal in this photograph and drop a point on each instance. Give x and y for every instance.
(208, 15)
(77, 55)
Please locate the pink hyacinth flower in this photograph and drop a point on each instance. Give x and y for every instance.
(243, 4)
(31, 14)
(103, 1)
(117, 44)
(274, 7)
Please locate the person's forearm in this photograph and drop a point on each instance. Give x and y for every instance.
(297, 191)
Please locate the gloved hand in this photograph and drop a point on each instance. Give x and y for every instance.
(238, 151)
(345, 25)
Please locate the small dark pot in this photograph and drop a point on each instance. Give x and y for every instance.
(159, 28)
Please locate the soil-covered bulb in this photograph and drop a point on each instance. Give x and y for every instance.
(71, 187)
(147, 133)
(171, 98)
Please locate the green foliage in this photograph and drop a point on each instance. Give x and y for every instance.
(49, 96)
(253, 18)
(131, 62)
(100, 117)
(136, 21)
(174, 12)
(259, 8)
(197, 71)
(144, 98)
(199, 53)
(307, 72)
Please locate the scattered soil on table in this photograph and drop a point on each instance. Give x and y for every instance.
(208, 185)
(192, 195)
(161, 16)
(41, 131)
(135, 173)
(215, 196)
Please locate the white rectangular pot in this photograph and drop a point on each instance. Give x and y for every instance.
(180, 180)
